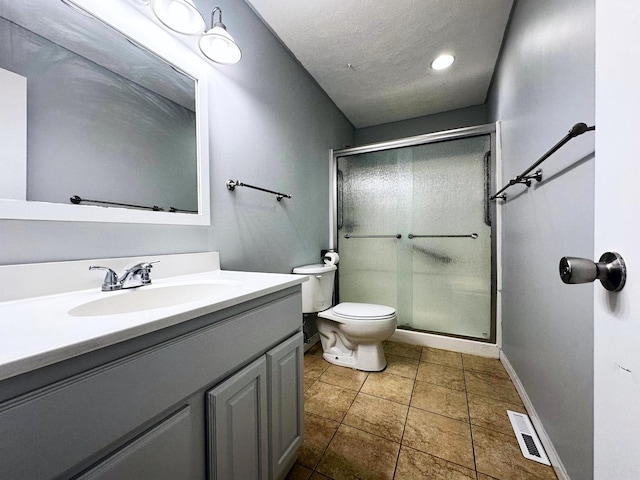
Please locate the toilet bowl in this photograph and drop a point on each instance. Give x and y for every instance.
(351, 334)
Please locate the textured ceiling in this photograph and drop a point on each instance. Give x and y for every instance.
(373, 57)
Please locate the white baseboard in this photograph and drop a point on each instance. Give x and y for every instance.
(556, 463)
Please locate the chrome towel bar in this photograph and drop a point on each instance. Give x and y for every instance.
(526, 176)
(76, 200)
(395, 235)
(231, 185)
(470, 235)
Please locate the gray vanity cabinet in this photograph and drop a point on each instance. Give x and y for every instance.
(162, 453)
(255, 418)
(285, 370)
(238, 426)
(221, 392)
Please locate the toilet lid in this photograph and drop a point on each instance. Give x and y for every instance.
(363, 310)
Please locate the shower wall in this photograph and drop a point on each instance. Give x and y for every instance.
(413, 233)
(462, 117)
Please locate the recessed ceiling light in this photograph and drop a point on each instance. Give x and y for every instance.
(442, 62)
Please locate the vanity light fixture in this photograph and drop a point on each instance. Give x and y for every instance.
(216, 43)
(442, 62)
(181, 16)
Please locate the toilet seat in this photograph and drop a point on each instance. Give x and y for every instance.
(363, 311)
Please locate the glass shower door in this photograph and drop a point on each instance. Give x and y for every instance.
(438, 273)
(367, 228)
(451, 244)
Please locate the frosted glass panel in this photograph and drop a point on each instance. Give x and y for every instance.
(369, 205)
(436, 284)
(451, 276)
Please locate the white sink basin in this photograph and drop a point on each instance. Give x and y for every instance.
(151, 297)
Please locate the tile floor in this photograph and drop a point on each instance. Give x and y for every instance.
(432, 414)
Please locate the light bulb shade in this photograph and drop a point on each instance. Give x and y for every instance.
(181, 16)
(219, 46)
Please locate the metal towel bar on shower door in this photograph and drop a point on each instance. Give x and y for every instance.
(395, 235)
(469, 235)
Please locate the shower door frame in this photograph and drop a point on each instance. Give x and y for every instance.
(493, 213)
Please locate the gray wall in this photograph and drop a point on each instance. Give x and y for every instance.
(463, 117)
(545, 83)
(272, 126)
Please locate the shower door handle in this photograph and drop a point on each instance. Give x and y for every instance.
(395, 235)
(469, 235)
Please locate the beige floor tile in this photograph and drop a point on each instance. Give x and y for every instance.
(403, 366)
(314, 365)
(490, 366)
(329, 401)
(443, 401)
(498, 388)
(442, 375)
(403, 350)
(416, 465)
(308, 381)
(492, 414)
(298, 472)
(315, 350)
(344, 377)
(354, 454)
(319, 476)
(440, 436)
(441, 357)
(424, 387)
(378, 416)
(389, 386)
(318, 432)
(499, 456)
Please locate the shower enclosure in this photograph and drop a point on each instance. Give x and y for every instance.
(413, 226)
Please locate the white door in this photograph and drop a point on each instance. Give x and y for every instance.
(617, 228)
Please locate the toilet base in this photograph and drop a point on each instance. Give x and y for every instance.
(366, 357)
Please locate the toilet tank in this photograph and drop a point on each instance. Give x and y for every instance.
(317, 292)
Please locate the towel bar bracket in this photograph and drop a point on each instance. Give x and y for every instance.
(526, 179)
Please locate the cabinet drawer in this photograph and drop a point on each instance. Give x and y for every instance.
(60, 428)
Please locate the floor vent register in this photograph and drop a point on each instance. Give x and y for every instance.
(527, 438)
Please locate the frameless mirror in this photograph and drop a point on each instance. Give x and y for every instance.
(92, 117)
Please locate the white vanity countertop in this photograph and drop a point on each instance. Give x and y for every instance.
(38, 331)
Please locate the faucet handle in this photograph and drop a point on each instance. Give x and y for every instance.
(110, 282)
(141, 266)
(144, 271)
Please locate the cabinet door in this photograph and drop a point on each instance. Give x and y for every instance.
(163, 453)
(285, 370)
(237, 425)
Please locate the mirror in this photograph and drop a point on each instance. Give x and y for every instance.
(95, 117)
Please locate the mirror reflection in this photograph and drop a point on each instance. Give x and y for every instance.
(90, 114)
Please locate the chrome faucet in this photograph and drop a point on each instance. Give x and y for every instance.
(133, 277)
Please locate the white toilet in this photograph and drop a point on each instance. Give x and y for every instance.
(351, 333)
